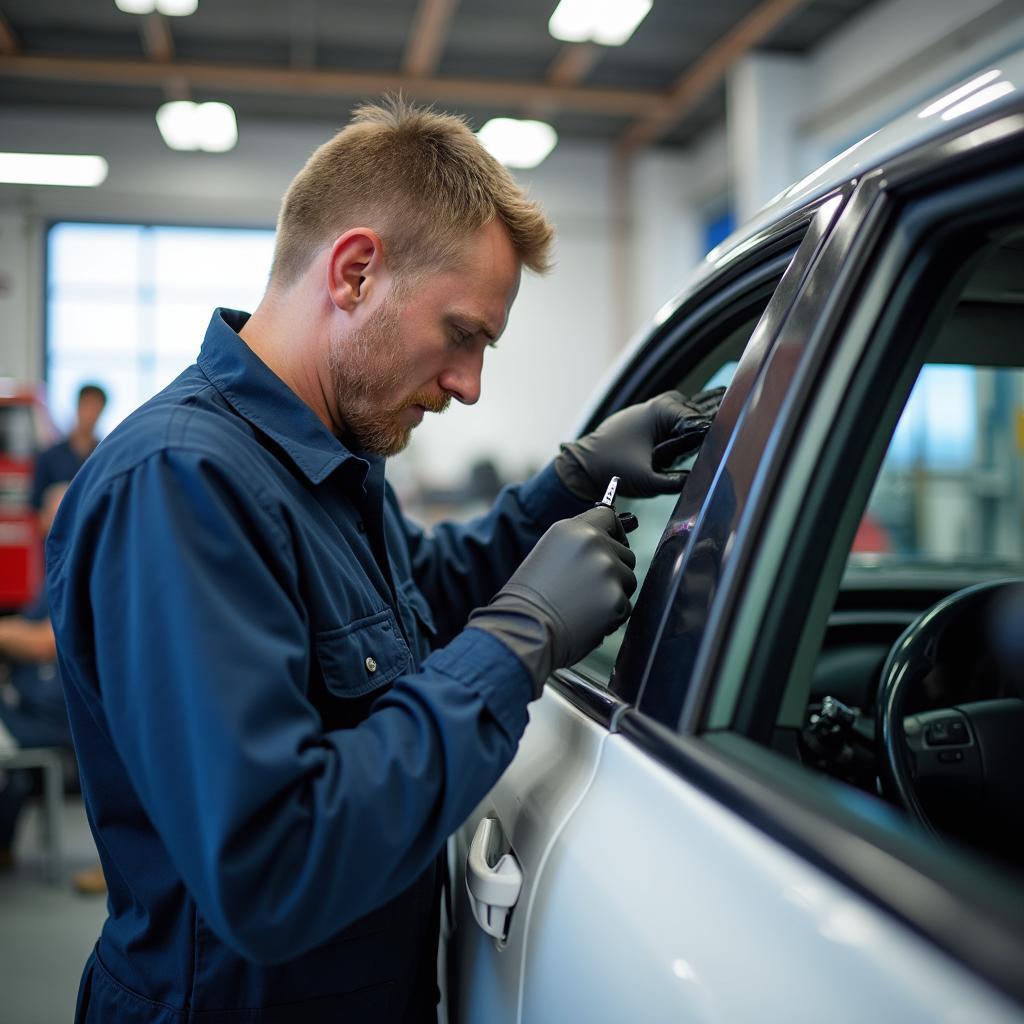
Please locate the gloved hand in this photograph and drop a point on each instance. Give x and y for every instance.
(571, 590)
(637, 444)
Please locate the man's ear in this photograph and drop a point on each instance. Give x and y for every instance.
(355, 266)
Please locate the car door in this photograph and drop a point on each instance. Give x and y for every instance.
(709, 872)
(733, 315)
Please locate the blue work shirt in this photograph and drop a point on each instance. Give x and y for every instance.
(278, 714)
(37, 717)
(54, 465)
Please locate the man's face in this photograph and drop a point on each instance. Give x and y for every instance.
(90, 408)
(424, 345)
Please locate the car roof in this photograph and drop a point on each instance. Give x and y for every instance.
(973, 99)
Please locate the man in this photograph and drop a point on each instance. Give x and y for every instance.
(283, 695)
(63, 460)
(32, 712)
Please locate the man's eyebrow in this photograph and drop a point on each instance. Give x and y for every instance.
(479, 326)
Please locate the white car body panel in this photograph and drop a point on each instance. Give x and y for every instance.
(659, 904)
(551, 771)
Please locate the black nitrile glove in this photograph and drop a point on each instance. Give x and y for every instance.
(637, 445)
(571, 590)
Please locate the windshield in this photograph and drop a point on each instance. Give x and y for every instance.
(951, 491)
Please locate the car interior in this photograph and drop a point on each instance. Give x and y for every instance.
(917, 692)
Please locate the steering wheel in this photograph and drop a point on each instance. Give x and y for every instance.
(972, 749)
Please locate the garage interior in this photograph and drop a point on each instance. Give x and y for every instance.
(665, 144)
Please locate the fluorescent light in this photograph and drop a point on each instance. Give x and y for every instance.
(176, 123)
(216, 127)
(52, 169)
(608, 22)
(978, 99)
(517, 143)
(957, 94)
(172, 8)
(177, 8)
(189, 126)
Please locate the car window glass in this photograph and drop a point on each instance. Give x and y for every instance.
(920, 663)
(951, 489)
(654, 513)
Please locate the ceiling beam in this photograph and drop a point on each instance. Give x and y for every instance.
(691, 87)
(302, 82)
(572, 64)
(429, 33)
(157, 40)
(8, 40)
(302, 33)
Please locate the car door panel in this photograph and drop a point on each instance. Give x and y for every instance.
(656, 891)
(532, 801)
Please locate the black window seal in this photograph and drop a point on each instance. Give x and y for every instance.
(595, 701)
(636, 677)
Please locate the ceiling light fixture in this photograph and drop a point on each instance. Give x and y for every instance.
(608, 22)
(517, 143)
(52, 169)
(177, 8)
(210, 127)
(172, 8)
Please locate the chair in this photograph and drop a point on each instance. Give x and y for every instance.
(50, 760)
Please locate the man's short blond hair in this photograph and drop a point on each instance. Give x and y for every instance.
(420, 179)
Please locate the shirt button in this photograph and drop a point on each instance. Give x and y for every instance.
(371, 665)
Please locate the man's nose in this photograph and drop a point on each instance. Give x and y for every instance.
(462, 379)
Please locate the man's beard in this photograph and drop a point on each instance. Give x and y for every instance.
(364, 371)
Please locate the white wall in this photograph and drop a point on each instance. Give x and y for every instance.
(21, 300)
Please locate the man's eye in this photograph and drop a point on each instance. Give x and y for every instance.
(461, 338)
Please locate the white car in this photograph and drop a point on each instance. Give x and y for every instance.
(792, 788)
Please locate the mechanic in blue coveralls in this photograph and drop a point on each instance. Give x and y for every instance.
(283, 695)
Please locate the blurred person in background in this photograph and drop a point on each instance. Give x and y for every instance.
(32, 709)
(63, 460)
(285, 696)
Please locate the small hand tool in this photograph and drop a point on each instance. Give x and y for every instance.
(628, 520)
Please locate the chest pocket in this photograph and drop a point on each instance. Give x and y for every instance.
(362, 656)
(419, 607)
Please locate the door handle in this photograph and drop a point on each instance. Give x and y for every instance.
(493, 891)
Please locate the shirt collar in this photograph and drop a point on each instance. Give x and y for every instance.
(262, 398)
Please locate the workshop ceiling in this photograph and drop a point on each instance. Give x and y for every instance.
(311, 60)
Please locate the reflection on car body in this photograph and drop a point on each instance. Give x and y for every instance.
(790, 775)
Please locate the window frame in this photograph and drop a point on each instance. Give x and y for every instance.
(770, 269)
(654, 638)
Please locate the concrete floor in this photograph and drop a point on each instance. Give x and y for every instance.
(46, 931)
